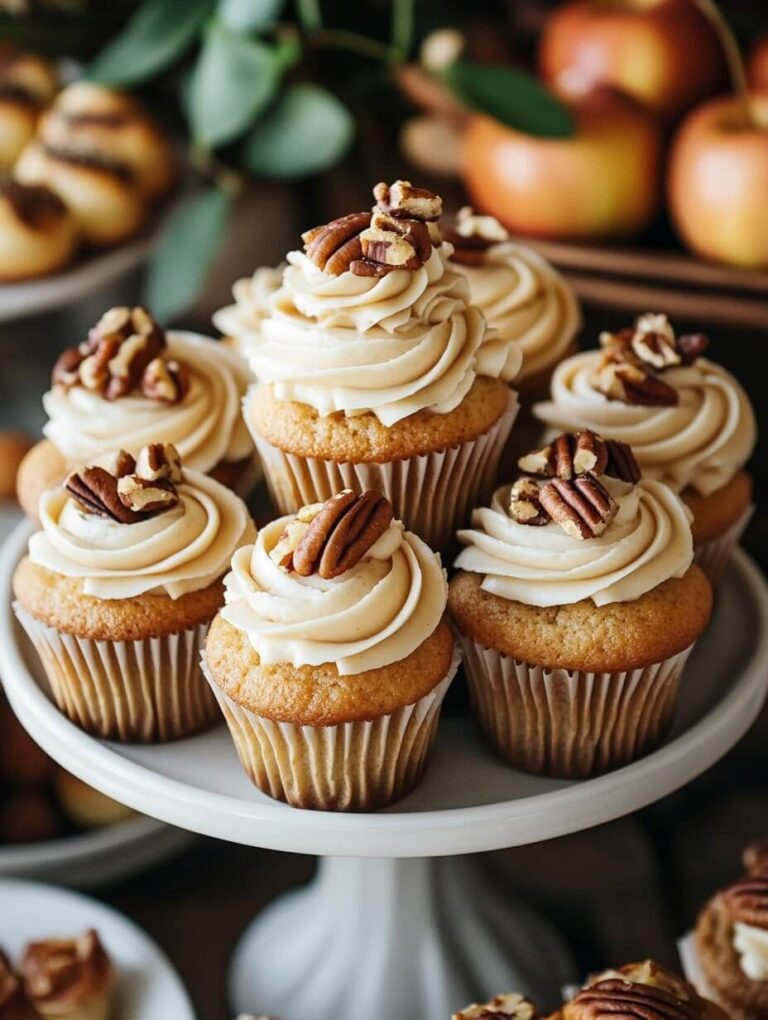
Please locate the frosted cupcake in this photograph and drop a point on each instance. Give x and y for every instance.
(577, 606)
(375, 371)
(131, 382)
(521, 295)
(331, 657)
(732, 940)
(119, 587)
(240, 322)
(688, 420)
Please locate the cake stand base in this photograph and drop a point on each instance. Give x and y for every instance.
(415, 939)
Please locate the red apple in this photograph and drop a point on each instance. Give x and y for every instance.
(665, 53)
(718, 181)
(602, 182)
(757, 65)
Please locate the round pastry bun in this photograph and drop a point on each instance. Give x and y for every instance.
(86, 807)
(27, 83)
(38, 234)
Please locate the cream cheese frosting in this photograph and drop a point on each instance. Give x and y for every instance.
(751, 943)
(374, 614)
(182, 550)
(393, 345)
(702, 442)
(527, 301)
(648, 542)
(206, 427)
(242, 320)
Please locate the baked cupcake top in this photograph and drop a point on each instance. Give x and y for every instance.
(131, 527)
(645, 990)
(580, 524)
(373, 317)
(519, 292)
(688, 420)
(341, 582)
(66, 974)
(130, 382)
(241, 321)
(510, 1006)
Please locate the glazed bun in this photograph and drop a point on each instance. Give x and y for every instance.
(100, 191)
(88, 118)
(27, 84)
(38, 234)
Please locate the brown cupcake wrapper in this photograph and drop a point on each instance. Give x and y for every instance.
(135, 691)
(570, 724)
(354, 766)
(434, 493)
(713, 556)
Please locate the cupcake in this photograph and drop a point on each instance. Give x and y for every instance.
(130, 382)
(38, 234)
(732, 940)
(577, 606)
(510, 1006)
(375, 371)
(645, 990)
(69, 979)
(521, 295)
(689, 422)
(331, 657)
(14, 1001)
(240, 322)
(27, 84)
(119, 587)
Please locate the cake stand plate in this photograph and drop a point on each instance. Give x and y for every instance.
(393, 935)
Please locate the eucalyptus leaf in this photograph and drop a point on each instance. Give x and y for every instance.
(511, 96)
(158, 33)
(249, 15)
(185, 252)
(307, 131)
(234, 79)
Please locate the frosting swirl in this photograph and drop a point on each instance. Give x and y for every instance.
(527, 301)
(253, 295)
(392, 345)
(181, 550)
(702, 442)
(206, 427)
(374, 614)
(648, 542)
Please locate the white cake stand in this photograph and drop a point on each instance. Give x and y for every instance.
(386, 930)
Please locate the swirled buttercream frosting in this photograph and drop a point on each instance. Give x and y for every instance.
(647, 542)
(183, 549)
(373, 614)
(527, 301)
(241, 321)
(391, 345)
(206, 426)
(700, 442)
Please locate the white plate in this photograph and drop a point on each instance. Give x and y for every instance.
(469, 801)
(148, 987)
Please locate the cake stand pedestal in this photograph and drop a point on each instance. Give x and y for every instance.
(386, 930)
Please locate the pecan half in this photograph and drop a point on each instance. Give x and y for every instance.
(95, 491)
(525, 503)
(622, 463)
(691, 346)
(166, 381)
(633, 1001)
(341, 533)
(747, 900)
(404, 201)
(502, 1007)
(569, 455)
(633, 384)
(335, 245)
(582, 506)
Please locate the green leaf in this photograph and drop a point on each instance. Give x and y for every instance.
(249, 15)
(158, 33)
(306, 132)
(511, 96)
(234, 80)
(185, 252)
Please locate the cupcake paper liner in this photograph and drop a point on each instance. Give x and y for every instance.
(354, 766)
(713, 556)
(570, 724)
(434, 493)
(134, 691)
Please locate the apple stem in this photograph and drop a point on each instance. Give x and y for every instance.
(734, 59)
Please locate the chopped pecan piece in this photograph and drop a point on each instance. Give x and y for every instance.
(501, 1007)
(398, 244)
(127, 489)
(404, 201)
(633, 384)
(525, 503)
(691, 346)
(166, 381)
(146, 497)
(657, 349)
(334, 246)
(582, 506)
(341, 533)
(159, 461)
(570, 454)
(95, 490)
(472, 235)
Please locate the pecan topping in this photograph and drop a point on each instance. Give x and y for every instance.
(14, 1003)
(747, 900)
(283, 550)
(582, 507)
(632, 1001)
(633, 384)
(340, 533)
(569, 455)
(403, 201)
(651, 344)
(402, 231)
(502, 1007)
(128, 490)
(691, 346)
(525, 503)
(159, 461)
(334, 246)
(622, 463)
(472, 235)
(166, 381)
(145, 497)
(756, 858)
